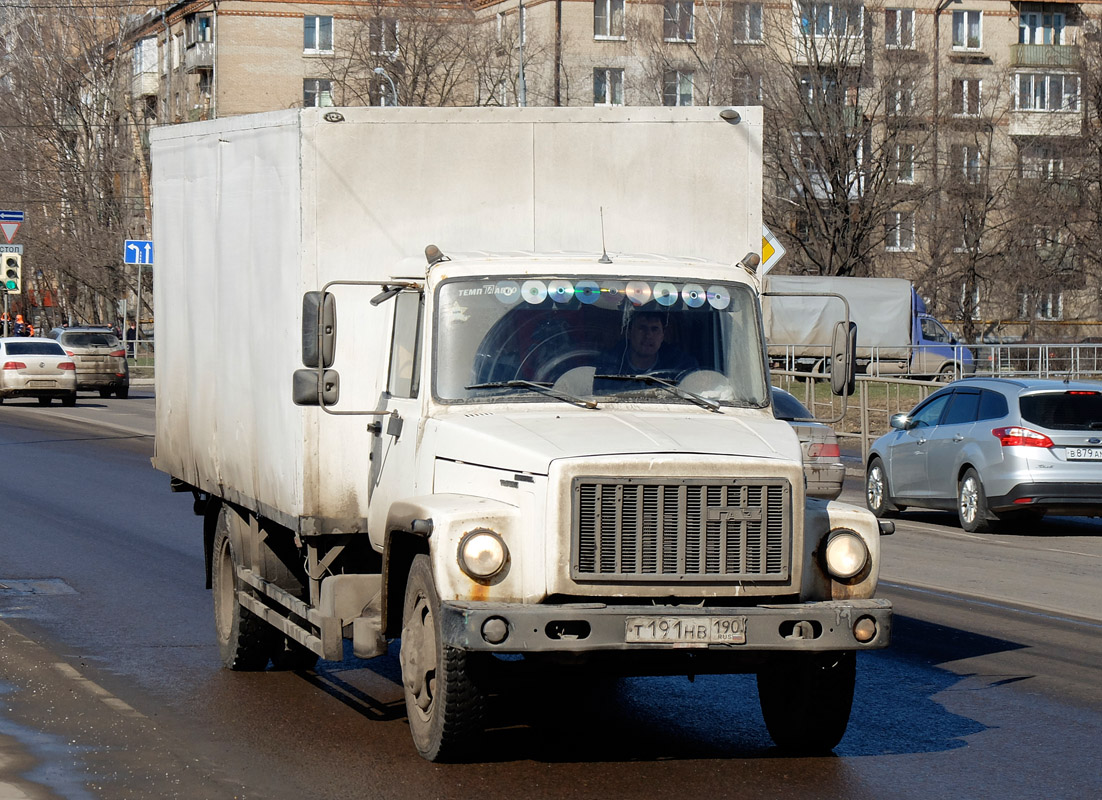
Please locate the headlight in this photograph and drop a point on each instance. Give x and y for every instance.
(482, 554)
(846, 554)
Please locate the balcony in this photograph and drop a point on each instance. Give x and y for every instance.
(1046, 123)
(1044, 55)
(144, 83)
(199, 56)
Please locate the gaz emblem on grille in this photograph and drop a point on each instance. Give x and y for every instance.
(736, 513)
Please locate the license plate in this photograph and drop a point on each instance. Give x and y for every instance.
(41, 384)
(1083, 453)
(686, 631)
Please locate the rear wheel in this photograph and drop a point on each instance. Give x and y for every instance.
(877, 492)
(44, 401)
(104, 392)
(122, 392)
(443, 701)
(245, 641)
(972, 503)
(806, 699)
(69, 399)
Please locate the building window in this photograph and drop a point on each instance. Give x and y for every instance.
(317, 92)
(145, 56)
(317, 34)
(677, 88)
(1039, 163)
(830, 19)
(1046, 91)
(966, 97)
(382, 34)
(966, 30)
(904, 163)
(968, 159)
(677, 21)
(1038, 28)
(899, 28)
(747, 90)
(900, 98)
(747, 17)
(608, 87)
(199, 28)
(1049, 305)
(899, 235)
(608, 19)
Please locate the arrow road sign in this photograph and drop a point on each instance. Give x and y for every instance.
(137, 251)
(9, 223)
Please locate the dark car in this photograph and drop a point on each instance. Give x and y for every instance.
(823, 467)
(100, 358)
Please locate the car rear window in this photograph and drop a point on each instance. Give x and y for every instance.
(34, 349)
(89, 339)
(788, 407)
(1064, 411)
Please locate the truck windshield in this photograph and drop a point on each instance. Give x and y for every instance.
(601, 339)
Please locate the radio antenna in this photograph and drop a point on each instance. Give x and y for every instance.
(604, 259)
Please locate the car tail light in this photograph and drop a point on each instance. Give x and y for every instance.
(823, 450)
(14, 365)
(66, 365)
(1079, 392)
(1017, 436)
(117, 354)
(70, 353)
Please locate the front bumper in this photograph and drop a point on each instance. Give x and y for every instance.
(596, 627)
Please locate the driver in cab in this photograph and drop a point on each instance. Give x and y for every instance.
(644, 351)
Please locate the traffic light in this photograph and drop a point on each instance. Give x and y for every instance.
(13, 273)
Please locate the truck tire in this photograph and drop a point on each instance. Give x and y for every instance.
(806, 699)
(878, 496)
(245, 641)
(444, 703)
(972, 503)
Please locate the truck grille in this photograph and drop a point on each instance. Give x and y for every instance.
(662, 530)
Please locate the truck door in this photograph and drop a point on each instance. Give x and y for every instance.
(933, 347)
(394, 444)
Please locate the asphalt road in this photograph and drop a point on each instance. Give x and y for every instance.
(112, 688)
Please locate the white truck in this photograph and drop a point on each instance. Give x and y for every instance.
(521, 450)
(895, 335)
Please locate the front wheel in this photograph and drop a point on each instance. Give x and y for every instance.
(122, 392)
(444, 703)
(972, 503)
(806, 700)
(877, 492)
(244, 640)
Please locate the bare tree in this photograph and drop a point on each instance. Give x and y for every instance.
(74, 155)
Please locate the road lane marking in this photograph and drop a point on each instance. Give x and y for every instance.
(1003, 604)
(94, 688)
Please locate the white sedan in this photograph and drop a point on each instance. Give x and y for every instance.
(32, 367)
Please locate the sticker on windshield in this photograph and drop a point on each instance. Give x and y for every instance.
(508, 292)
(534, 292)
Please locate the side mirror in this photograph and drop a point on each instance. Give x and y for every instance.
(901, 422)
(312, 387)
(843, 359)
(319, 314)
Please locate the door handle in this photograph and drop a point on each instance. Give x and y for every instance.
(958, 438)
(922, 441)
(394, 424)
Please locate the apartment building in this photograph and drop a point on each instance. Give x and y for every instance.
(982, 103)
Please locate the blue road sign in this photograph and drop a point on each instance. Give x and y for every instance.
(11, 216)
(137, 251)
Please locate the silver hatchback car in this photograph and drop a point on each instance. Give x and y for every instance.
(994, 449)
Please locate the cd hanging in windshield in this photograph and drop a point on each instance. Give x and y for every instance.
(665, 293)
(560, 291)
(638, 292)
(718, 297)
(587, 291)
(693, 295)
(534, 292)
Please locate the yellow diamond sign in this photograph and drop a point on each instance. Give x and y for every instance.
(772, 250)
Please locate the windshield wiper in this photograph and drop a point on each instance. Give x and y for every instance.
(542, 388)
(703, 402)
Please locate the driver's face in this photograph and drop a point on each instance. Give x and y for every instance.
(646, 336)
